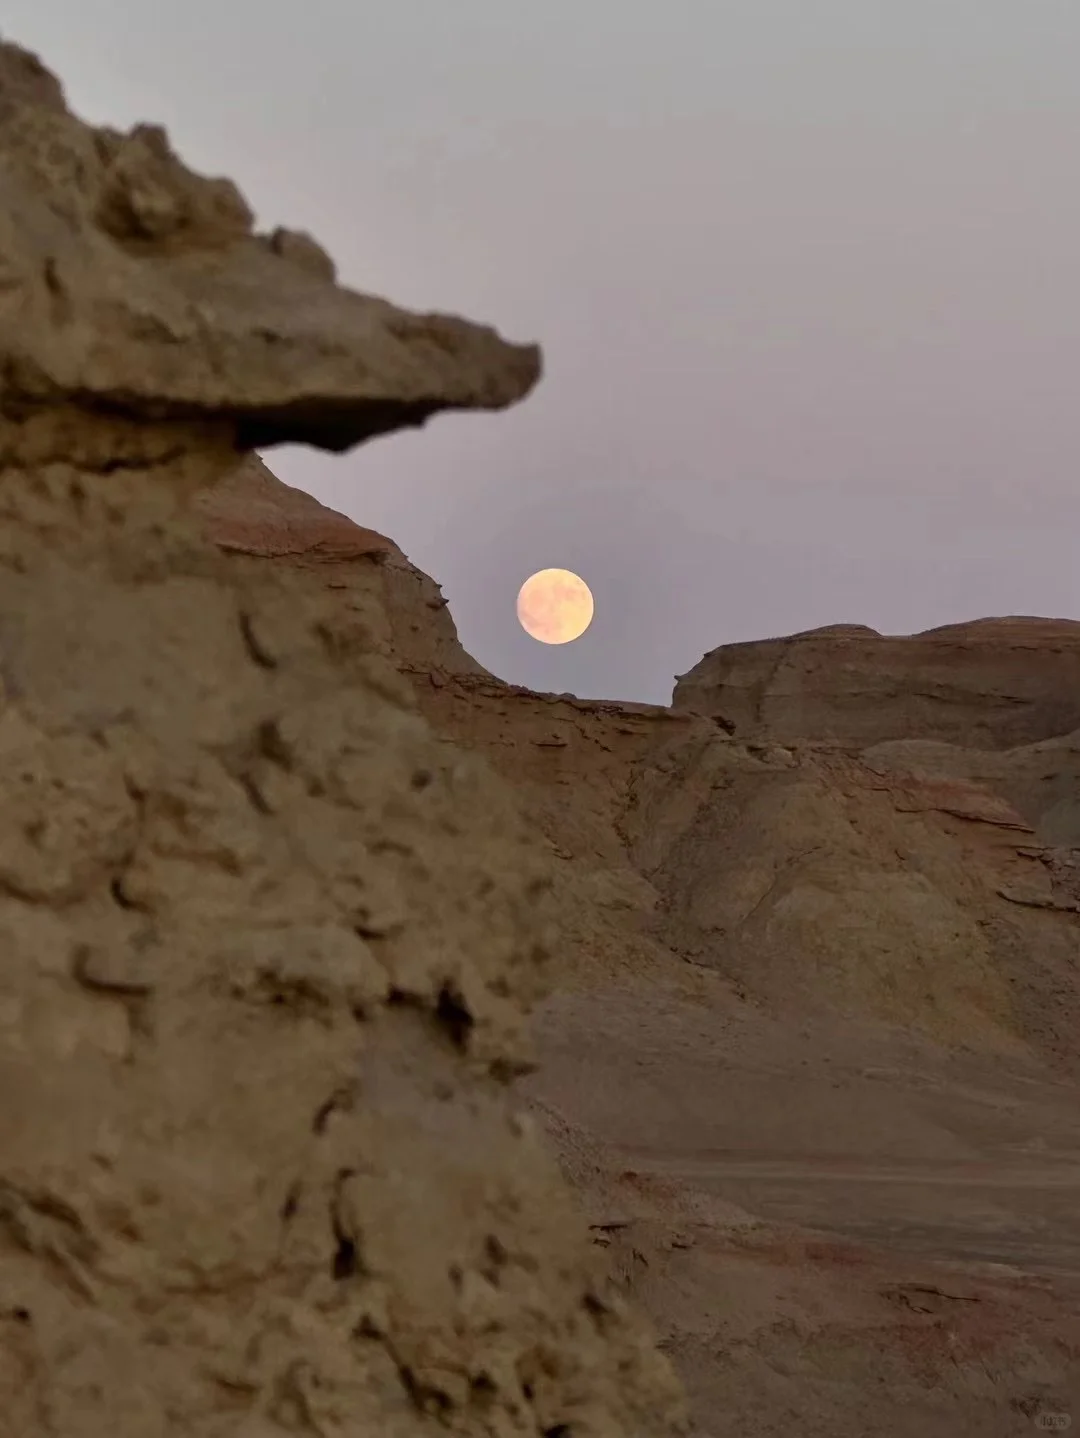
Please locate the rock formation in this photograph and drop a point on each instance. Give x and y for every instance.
(283, 870)
(782, 960)
(135, 287)
(267, 941)
(783, 963)
(994, 684)
(399, 609)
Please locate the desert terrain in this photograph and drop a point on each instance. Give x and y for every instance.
(811, 1060)
(388, 1049)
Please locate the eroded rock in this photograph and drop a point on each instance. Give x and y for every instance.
(374, 589)
(991, 684)
(266, 943)
(129, 283)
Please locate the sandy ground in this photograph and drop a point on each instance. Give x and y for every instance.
(839, 1229)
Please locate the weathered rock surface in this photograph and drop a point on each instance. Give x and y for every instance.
(266, 941)
(993, 684)
(1041, 781)
(811, 1061)
(128, 283)
(269, 934)
(398, 609)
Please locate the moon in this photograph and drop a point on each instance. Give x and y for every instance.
(555, 606)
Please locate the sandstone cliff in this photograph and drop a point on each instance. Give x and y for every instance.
(267, 941)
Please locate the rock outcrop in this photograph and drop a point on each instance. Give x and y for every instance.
(785, 964)
(993, 684)
(283, 871)
(812, 1058)
(267, 942)
(398, 610)
(133, 286)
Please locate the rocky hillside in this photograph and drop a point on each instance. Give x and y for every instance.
(812, 1057)
(268, 942)
(994, 684)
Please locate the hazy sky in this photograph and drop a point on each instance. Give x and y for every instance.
(804, 271)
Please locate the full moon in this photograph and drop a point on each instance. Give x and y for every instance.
(555, 606)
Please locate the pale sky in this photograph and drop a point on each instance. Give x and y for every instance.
(804, 272)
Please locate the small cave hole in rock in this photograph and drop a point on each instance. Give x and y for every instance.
(116, 889)
(454, 1016)
(345, 1264)
(482, 1390)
